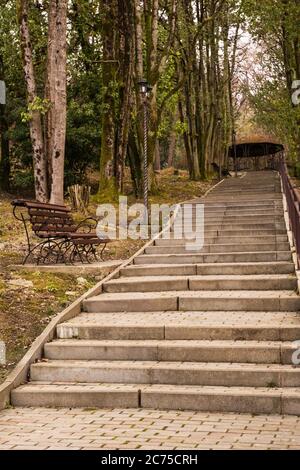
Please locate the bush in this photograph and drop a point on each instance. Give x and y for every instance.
(23, 180)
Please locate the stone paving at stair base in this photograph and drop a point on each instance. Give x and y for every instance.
(43, 428)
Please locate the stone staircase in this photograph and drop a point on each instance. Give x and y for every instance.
(209, 330)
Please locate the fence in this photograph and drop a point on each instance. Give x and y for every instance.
(293, 205)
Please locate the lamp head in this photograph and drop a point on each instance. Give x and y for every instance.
(143, 84)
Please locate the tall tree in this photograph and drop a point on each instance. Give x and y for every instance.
(4, 142)
(156, 63)
(107, 182)
(49, 146)
(271, 88)
(35, 120)
(125, 80)
(56, 94)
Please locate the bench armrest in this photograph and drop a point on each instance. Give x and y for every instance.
(85, 224)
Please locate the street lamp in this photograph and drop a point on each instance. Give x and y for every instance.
(143, 84)
(234, 150)
(219, 121)
(144, 91)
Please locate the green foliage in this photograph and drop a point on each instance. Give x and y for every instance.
(83, 137)
(86, 93)
(38, 104)
(274, 25)
(181, 127)
(169, 100)
(23, 180)
(84, 90)
(275, 114)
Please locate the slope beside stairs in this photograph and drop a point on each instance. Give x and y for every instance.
(209, 330)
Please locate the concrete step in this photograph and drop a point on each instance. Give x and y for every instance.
(234, 201)
(238, 226)
(174, 373)
(248, 213)
(193, 397)
(278, 267)
(218, 212)
(269, 208)
(242, 232)
(220, 282)
(193, 258)
(236, 223)
(179, 325)
(244, 239)
(215, 233)
(194, 300)
(245, 197)
(250, 210)
(239, 207)
(147, 284)
(267, 352)
(271, 239)
(235, 209)
(241, 300)
(132, 302)
(217, 248)
(234, 212)
(157, 270)
(275, 267)
(228, 218)
(77, 395)
(224, 399)
(246, 190)
(243, 201)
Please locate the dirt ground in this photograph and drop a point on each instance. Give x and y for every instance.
(28, 301)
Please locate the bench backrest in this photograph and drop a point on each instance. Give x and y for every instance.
(48, 218)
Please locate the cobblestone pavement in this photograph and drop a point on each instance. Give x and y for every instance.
(42, 428)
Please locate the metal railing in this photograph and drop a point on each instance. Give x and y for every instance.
(293, 205)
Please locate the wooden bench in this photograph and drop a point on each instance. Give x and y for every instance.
(61, 239)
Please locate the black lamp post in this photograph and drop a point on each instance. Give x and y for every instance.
(219, 121)
(144, 91)
(234, 150)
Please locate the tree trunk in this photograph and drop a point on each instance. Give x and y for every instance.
(156, 64)
(138, 40)
(186, 140)
(35, 122)
(135, 164)
(4, 152)
(136, 143)
(157, 165)
(107, 183)
(126, 60)
(228, 118)
(57, 54)
(4, 142)
(172, 149)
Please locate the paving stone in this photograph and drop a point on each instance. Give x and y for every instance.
(47, 418)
